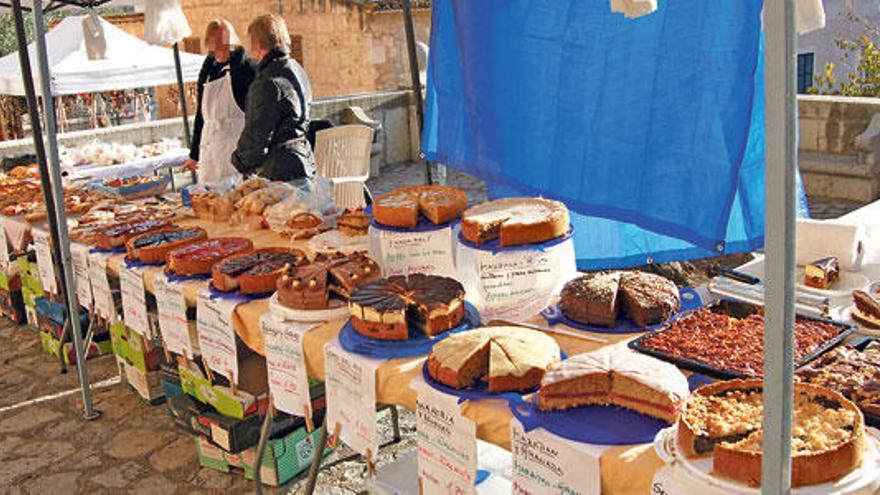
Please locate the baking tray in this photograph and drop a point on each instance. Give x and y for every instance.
(860, 344)
(735, 309)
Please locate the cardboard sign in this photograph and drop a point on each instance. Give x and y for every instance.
(134, 300)
(447, 445)
(44, 261)
(546, 464)
(350, 383)
(173, 323)
(403, 253)
(80, 256)
(216, 334)
(4, 248)
(104, 305)
(288, 379)
(514, 285)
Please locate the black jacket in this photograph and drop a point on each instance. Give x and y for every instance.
(273, 142)
(242, 70)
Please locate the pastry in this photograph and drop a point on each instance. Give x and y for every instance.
(733, 345)
(648, 299)
(385, 309)
(353, 222)
(116, 235)
(254, 272)
(508, 358)
(592, 299)
(401, 207)
(866, 310)
(853, 373)
(821, 274)
(515, 221)
(153, 247)
(199, 258)
(615, 375)
(307, 284)
(304, 220)
(724, 420)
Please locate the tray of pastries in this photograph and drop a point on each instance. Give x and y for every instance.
(726, 340)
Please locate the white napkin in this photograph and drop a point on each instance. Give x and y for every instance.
(818, 239)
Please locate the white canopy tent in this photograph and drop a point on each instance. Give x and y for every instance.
(130, 62)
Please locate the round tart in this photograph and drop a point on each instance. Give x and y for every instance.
(386, 308)
(254, 272)
(508, 358)
(401, 207)
(199, 258)
(153, 247)
(117, 235)
(724, 420)
(515, 221)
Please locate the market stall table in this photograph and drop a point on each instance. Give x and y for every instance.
(171, 159)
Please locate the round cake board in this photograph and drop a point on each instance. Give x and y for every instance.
(480, 390)
(173, 277)
(863, 479)
(130, 263)
(594, 424)
(116, 250)
(495, 244)
(236, 295)
(356, 343)
(690, 300)
(338, 310)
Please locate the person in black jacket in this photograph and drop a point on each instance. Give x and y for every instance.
(223, 86)
(273, 143)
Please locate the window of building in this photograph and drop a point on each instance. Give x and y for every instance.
(804, 72)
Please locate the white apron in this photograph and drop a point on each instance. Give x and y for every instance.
(224, 122)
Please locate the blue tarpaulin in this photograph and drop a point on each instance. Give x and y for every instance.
(651, 130)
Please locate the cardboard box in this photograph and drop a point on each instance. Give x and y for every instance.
(170, 380)
(10, 280)
(12, 305)
(30, 314)
(51, 318)
(134, 348)
(184, 412)
(286, 456)
(147, 384)
(251, 397)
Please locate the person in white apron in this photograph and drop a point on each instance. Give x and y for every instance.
(223, 84)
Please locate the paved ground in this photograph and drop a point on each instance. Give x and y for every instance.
(45, 447)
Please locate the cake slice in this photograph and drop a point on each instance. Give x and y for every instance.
(397, 209)
(822, 273)
(648, 299)
(592, 299)
(866, 310)
(303, 285)
(441, 204)
(459, 362)
(519, 358)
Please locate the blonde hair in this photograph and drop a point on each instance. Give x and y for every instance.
(216, 25)
(271, 31)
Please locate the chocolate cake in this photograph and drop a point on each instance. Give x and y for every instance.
(648, 299)
(153, 247)
(386, 308)
(592, 299)
(255, 272)
(866, 310)
(308, 284)
(117, 235)
(820, 274)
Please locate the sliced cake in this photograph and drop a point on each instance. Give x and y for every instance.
(401, 207)
(821, 274)
(866, 310)
(592, 299)
(114, 236)
(254, 272)
(648, 299)
(199, 258)
(153, 247)
(308, 284)
(615, 375)
(515, 221)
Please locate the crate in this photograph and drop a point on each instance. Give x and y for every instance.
(30, 314)
(184, 412)
(252, 394)
(170, 380)
(51, 318)
(50, 344)
(137, 351)
(12, 305)
(147, 384)
(286, 456)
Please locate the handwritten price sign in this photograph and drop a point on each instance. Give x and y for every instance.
(80, 255)
(544, 464)
(288, 380)
(216, 334)
(44, 261)
(447, 445)
(104, 305)
(4, 247)
(402, 253)
(134, 301)
(173, 323)
(350, 382)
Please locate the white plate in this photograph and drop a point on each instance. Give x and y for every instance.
(334, 240)
(338, 311)
(846, 316)
(865, 477)
(849, 281)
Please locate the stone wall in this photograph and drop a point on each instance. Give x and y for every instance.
(394, 110)
(839, 147)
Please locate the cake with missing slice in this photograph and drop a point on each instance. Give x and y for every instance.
(254, 272)
(648, 299)
(592, 299)
(401, 207)
(515, 221)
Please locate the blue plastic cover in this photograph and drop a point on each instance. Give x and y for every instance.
(651, 130)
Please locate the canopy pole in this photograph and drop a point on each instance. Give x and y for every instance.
(182, 90)
(58, 218)
(414, 74)
(779, 264)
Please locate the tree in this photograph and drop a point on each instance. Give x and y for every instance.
(863, 79)
(8, 40)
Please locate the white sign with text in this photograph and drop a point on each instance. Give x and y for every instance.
(44, 261)
(544, 464)
(447, 445)
(134, 300)
(4, 247)
(286, 365)
(173, 323)
(104, 305)
(513, 285)
(350, 384)
(403, 253)
(79, 253)
(216, 334)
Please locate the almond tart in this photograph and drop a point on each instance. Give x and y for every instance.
(153, 247)
(724, 420)
(515, 221)
(199, 258)
(255, 272)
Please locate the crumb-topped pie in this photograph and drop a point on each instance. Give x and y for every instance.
(724, 420)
